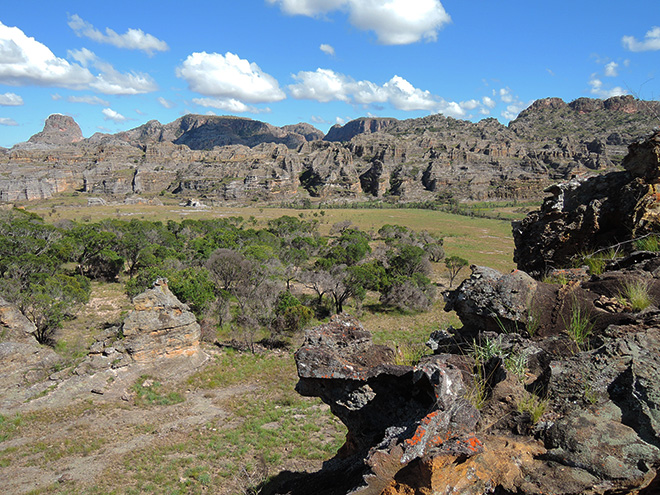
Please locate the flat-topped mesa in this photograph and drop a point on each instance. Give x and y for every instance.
(58, 129)
(160, 326)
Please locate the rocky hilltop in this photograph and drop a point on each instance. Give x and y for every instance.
(239, 159)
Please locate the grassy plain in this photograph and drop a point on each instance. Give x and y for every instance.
(236, 421)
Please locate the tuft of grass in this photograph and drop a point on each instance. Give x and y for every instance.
(533, 320)
(637, 293)
(533, 405)
(410, 353)
(596, 262)
(517, 364)
(556, 278)
(650, 243)
(579, 325)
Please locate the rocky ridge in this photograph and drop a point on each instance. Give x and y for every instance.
(238, 159)
(548, 387)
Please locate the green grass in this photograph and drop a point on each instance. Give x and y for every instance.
(533, 405)
(650, 243)
(636, 293)
(150, 393)
(579, 325)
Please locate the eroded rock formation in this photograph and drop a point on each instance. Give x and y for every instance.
(584, 215)
(238, 159)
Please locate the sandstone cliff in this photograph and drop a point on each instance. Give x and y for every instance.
(238, 159)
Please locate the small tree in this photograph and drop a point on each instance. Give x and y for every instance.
(454, 265)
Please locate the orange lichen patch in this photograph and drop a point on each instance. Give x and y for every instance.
(417, 437)
(500, 464)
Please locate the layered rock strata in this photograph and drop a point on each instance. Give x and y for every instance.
(239, 160)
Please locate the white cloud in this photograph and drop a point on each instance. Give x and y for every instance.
(166, 103)
(25, 61)
(399, 22)
(512, 111)
(404, 96)
(229, 77)
(56, 97)
(110, 81)
(10, 100)
(133, 39)
(228, 104)
(327, 49)
(318, 119)
(470, 104)
(340, 121)
(325, 85)
(90, 100)
(395, 22)
(505, 95)
(83, 56)
(310, 8)
(651, 41)
(599, 90)
(7, 121)
(110, 114)
(611, 69)
(488, 102)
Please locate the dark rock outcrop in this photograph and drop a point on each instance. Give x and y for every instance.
(585, 215)
(394, 414)
(570, 418)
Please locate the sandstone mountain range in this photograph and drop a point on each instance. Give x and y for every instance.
(238, 159)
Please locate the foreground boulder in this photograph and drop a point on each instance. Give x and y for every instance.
(586, 215)
(501, 406)
(160, 325)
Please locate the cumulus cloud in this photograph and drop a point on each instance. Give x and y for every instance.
(89, 100)
(325, 85)
(133, 39)
(505, 95)
(327, 49)
(110, 81)
(228, 104)
(488, 102)
(651, 41)
(611, 69)
(25, 61)
(7, 121)
(598, 89)
(229, 77)
(395, 22)
(10, 100)
(166, 103)
(110, 114)
(513, 110)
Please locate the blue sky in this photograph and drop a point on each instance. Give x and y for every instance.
(116, 65)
